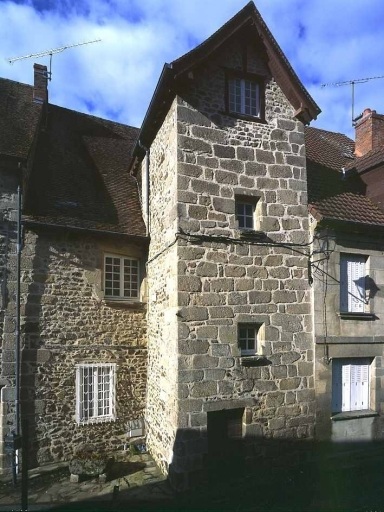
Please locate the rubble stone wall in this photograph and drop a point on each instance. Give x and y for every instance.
(65, 320)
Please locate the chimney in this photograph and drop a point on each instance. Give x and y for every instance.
(40, 86)
(369, 132)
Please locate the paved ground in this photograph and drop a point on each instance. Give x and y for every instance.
(325, 480)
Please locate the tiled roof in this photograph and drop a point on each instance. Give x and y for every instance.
(19, 118)
(330, 149)
(331, 194)
(80, 175)
(369, 160)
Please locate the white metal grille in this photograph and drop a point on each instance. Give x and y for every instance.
(244, 97)
(95, 392)
(121, 277)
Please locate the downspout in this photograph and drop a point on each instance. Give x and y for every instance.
(147, 162)
(17, 341)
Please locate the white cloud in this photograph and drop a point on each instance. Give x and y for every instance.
(325, 41)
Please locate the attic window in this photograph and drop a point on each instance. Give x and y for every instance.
(245, 96)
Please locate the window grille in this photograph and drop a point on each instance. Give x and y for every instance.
(95, 392)
(121, 277)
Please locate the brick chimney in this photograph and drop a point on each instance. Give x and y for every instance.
(369, 132)
(40, 85)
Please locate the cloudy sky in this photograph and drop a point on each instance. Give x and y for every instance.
(326, 41)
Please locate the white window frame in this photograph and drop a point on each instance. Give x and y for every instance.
(244, 97)
(353, 271)
(249, 335)
(351, 384)
(133, 291)
(97, 403)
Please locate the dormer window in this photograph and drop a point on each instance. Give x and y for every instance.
(245, 96)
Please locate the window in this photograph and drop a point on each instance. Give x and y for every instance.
(121, 277)
(249, 337)
(350, 384)
(244, 97)
(352, 283)
(245, 214)
(95, 392)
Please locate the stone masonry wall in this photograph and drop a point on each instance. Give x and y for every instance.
(224, 282)
(8, 229)
(162, 409)
(66, 321)
(223, 279)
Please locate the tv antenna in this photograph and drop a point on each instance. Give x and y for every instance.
(352, 84)
(12, 60)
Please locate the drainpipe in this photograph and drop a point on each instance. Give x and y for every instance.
(17, 341)
(147, 182)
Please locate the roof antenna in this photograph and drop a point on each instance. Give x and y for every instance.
(12, 60)
(352, 84)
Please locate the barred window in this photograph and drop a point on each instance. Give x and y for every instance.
(121, 277)
(95, 392)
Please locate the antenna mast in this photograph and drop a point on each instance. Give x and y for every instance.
(352, 84)
(12, 60)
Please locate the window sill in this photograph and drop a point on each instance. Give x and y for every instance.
(252, 234)
(244, 117)
(347, 315)
(352, 415)
(127, 304)
(255, 360)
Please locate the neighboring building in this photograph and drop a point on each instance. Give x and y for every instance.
(83, 329)
(167, 272)
(345, 190)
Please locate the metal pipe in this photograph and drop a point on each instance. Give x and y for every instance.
(147, 162)
(17, 341)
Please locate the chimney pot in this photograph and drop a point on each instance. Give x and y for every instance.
(40, 85)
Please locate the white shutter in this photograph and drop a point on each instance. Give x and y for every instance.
(356, 284)
(346, 393)
(352, 283)
(343, 282)
(359, 387)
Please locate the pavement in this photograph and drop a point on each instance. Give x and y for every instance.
(132, 479)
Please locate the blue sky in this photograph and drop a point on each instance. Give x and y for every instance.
(326, 41)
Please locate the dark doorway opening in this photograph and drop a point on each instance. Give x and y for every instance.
(225, 433)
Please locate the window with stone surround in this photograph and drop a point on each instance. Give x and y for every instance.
(250, 339)
(95, 392)
(245, 95)
(247, 212)
(350, 384)
(121, 277)
(353, 293)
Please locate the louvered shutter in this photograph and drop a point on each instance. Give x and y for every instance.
(346, 393)
(352, 283)
(359, 387)
(356, 284)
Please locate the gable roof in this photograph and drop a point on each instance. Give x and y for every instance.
(19, 119)
(248, 19)
(335, 196)
(80, 175)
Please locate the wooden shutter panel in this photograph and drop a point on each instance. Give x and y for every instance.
(356, 284)
(337, 386)
(346, 393)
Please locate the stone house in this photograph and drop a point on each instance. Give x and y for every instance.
(346, 204)
(172, 273)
